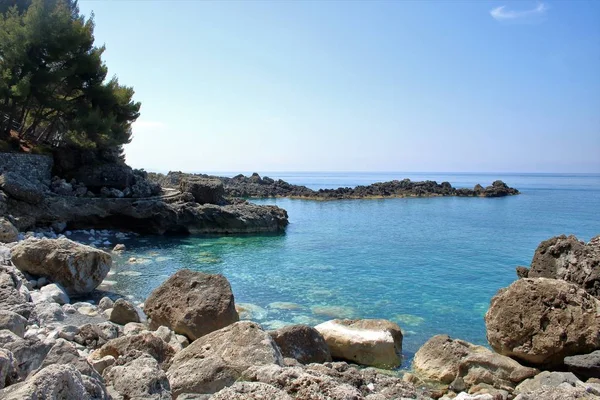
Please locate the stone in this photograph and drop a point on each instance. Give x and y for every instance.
(123, 312)
(569, 259)
(56, 382)
(119, 248)
(102, 363)
(205, 191)
(105, 303)
(8, 232)
(219, 358)
(12, 297)
(547, 379)
(464, 365)
(373, 342)
(47, 312)
(302, 343)
(192, 304)
(140, 378)
(8, 368)
(64, 352)
(79, 269)
(250, 391)
(112, 175)
(55, 293)
(144, 342)
(29, 353)
(19, 187)
(584, 365)
(13, 322)
(541, 321)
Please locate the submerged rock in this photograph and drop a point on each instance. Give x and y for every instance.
(374, 342)
(541, 321)
(192, 304)
(77, 268)
(218, 359)
(303, 343)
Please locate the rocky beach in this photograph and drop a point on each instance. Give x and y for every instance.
(65, 334)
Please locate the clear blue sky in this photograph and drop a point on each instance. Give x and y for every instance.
(492, 86)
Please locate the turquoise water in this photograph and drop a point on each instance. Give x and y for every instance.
(431, 265)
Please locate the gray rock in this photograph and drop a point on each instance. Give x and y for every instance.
(64, 352)
(141, 378)
(8, 368)
(13, 322)
(192, 304)
(19, 187)
(549, 379)
(8, 232)
(77, 268)
(562, 392)
(47, 313)
(585, 365)
(302, 343)
(105, 303)
(11, 296)
(144, 342)
(123, 312)
(29, 353)
(56, 382)
(218, 359)
(56, 293)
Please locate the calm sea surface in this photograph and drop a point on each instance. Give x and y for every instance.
(431, 265)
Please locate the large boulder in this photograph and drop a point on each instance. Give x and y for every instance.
(79, 269)
(19, 187)
(302, 343)
(541, 321)
(140, 378)
(123, 312)
(28, 353)
(192, 304)
(373, 342)
(204, 190)
(218, 359)
(569, 259)
(13, 322)
(464, 364)
(8, 232)
(56, 382)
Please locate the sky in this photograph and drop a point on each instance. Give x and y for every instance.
(429, 86)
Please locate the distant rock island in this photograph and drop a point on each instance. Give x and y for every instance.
(256, 187)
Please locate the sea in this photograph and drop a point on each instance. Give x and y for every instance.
(429, 264)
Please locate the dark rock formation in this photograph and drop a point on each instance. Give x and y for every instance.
(585, 365)
(541, 321)
(257, 187)
(205, 191)
(192, 304)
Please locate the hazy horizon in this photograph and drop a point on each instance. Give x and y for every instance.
(481, 87)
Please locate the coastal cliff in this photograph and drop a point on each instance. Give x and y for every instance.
(256, 187)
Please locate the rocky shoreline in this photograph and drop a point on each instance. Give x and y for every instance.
(186, 341)
(256, 187)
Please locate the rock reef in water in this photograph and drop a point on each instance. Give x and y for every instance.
(256, 187)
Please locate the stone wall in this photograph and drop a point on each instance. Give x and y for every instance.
(33, 167)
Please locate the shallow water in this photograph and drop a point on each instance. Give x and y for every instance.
(431, 265)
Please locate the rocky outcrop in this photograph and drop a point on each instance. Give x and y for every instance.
(584, 365)
(77, 268)
(541, 321)
(204, 190)
(373, 342)
(218, 359)
(302, 343)
(192, 304)
(464, 365)
(256, 187)
(567, 258)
